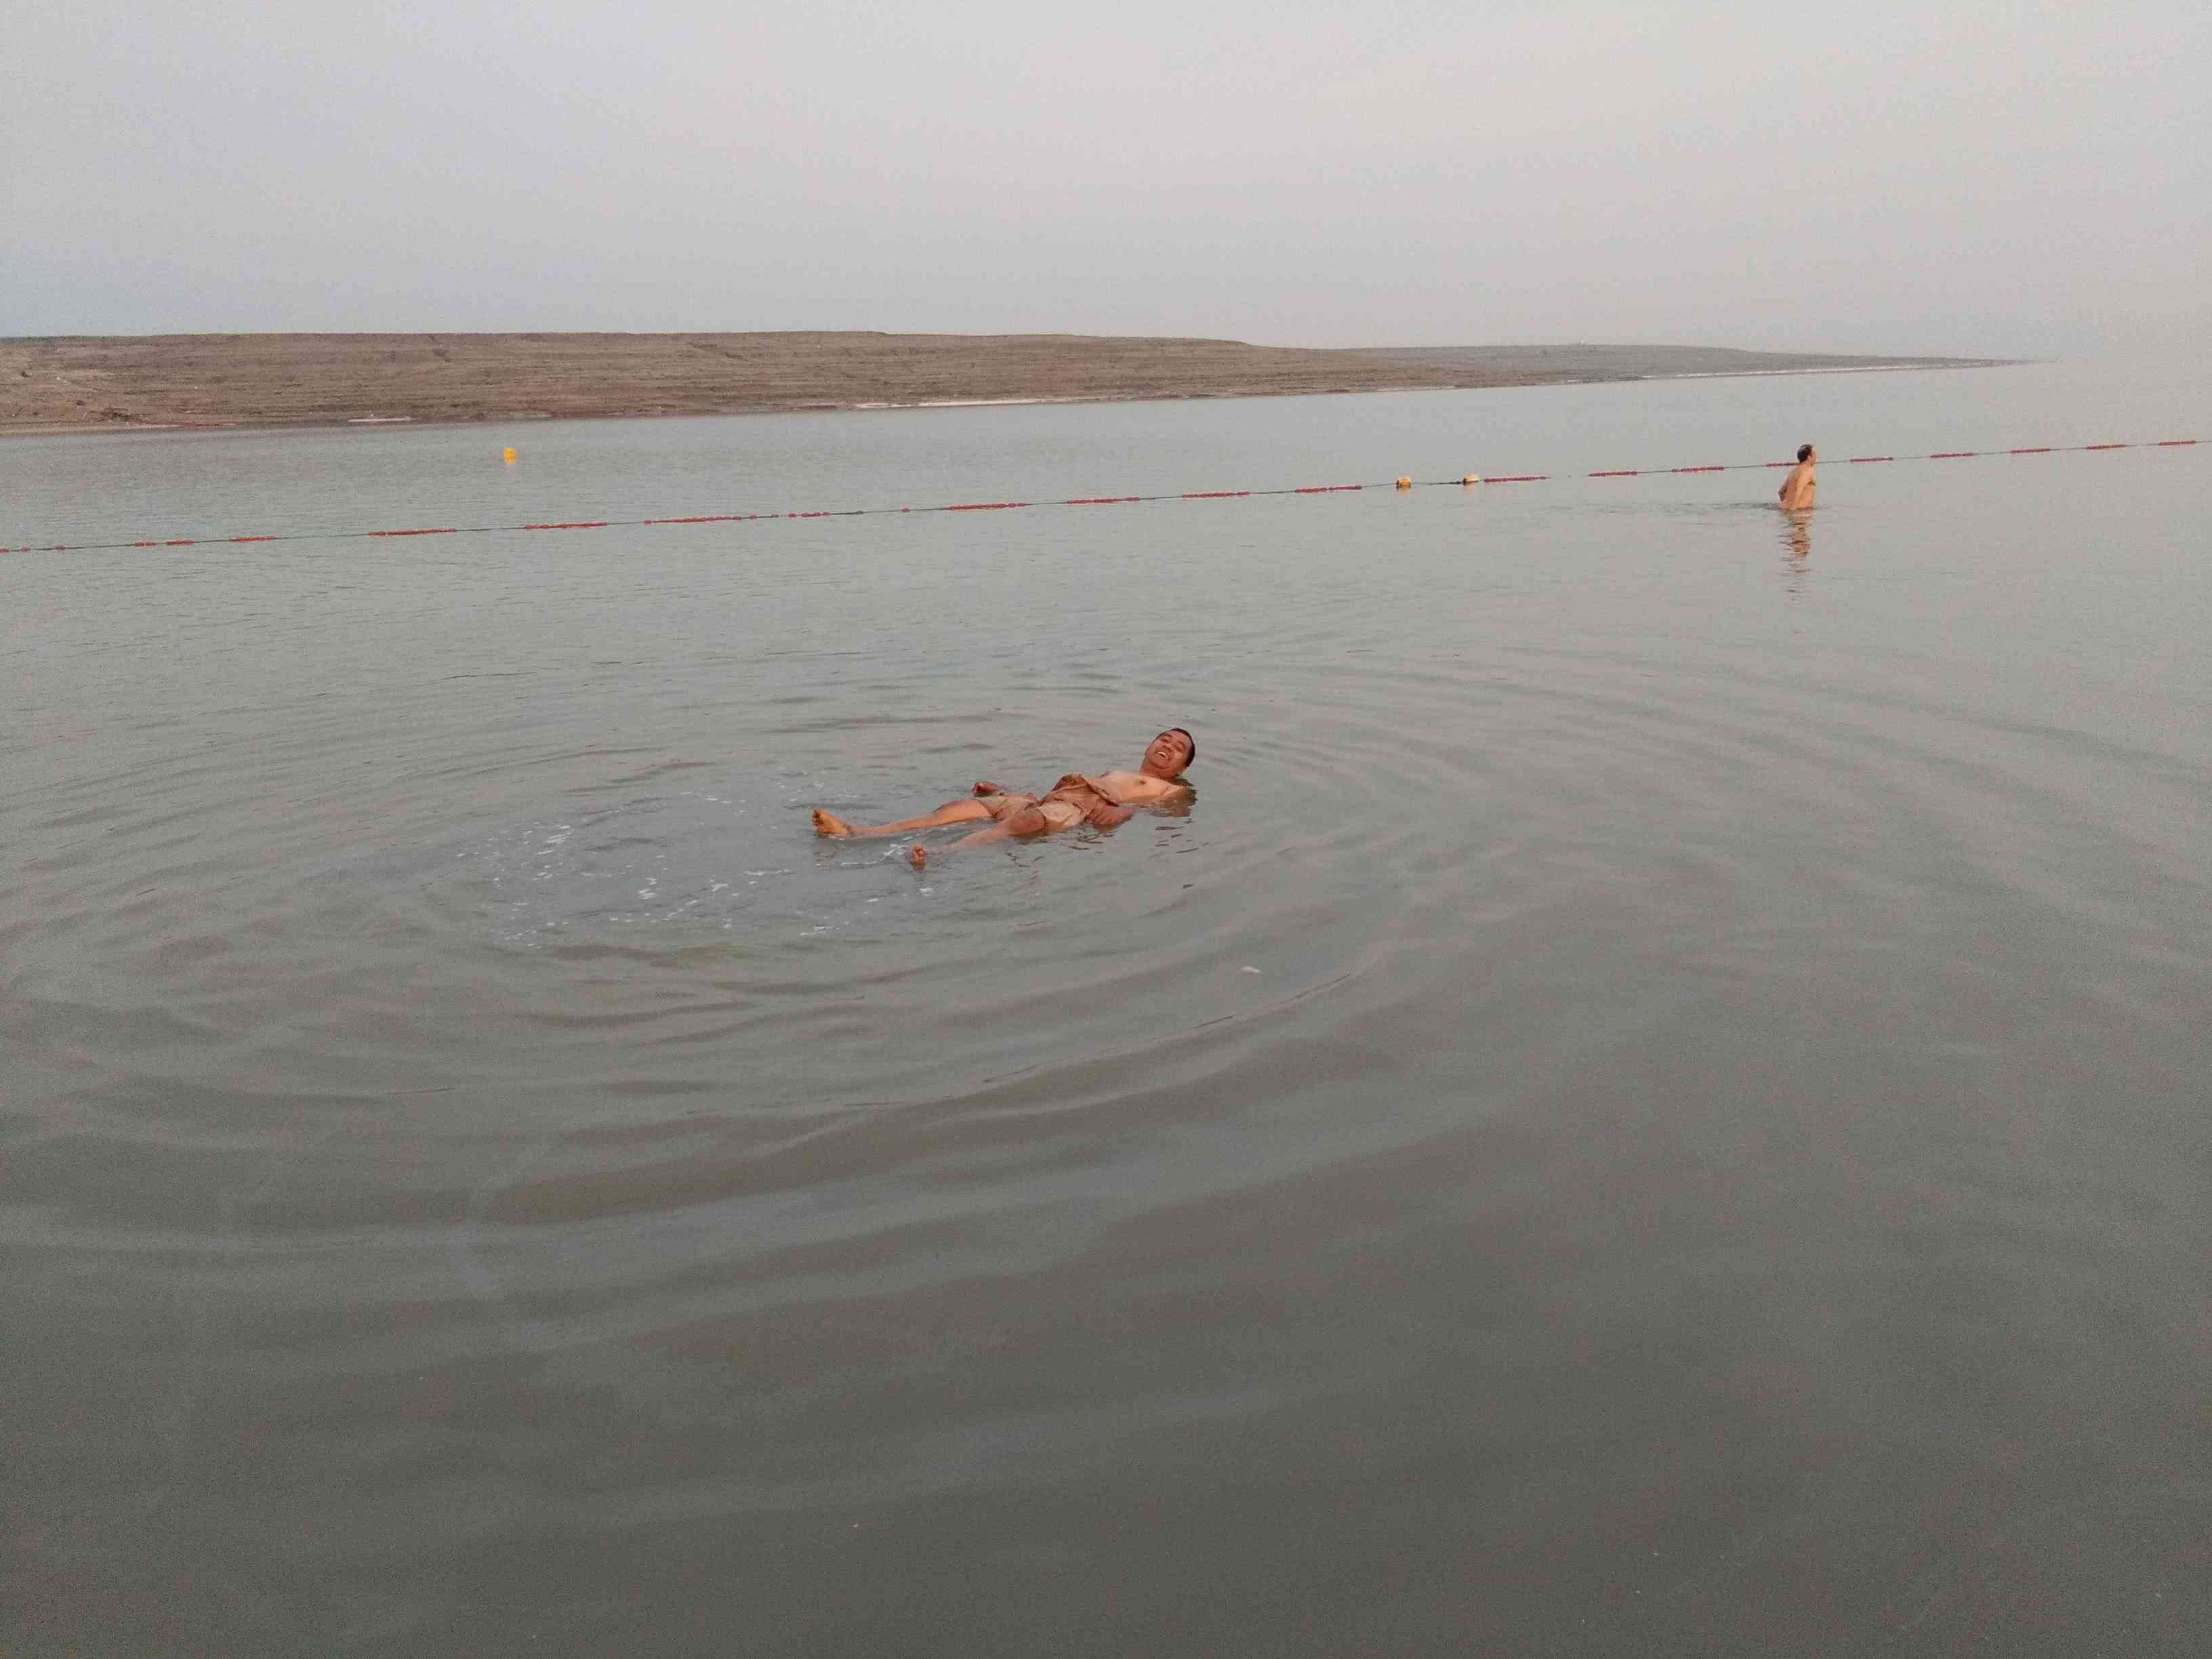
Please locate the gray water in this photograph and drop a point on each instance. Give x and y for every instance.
(1656, 1101)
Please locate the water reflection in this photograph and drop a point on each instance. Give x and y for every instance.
(1796, 547)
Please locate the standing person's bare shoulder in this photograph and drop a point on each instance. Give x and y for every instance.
(1797, 489)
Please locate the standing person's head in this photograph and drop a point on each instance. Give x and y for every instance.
(1804, 452)
(1167, 755)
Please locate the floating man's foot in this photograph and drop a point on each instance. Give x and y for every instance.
(917, 857)
(828, 823)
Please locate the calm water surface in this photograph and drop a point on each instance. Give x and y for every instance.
(1656, 1101)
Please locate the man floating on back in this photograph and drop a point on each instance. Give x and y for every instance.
(1102, 799)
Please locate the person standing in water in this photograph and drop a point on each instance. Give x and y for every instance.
(1103, 800)
(1797, 489)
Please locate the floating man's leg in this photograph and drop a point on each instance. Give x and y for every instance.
(953, 812)
(1027, 819)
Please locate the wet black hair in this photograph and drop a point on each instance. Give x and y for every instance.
(1189, 739)
(1804, 450)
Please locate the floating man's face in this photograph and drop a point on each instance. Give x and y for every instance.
(1167, 755)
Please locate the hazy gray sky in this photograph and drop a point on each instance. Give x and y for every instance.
(2008, 179)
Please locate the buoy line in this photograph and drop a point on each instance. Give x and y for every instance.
(1465, 481)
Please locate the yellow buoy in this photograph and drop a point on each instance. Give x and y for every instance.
(508, 454)
(1404, 483)
(1472, 477)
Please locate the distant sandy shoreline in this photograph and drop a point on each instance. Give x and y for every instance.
(213, 382)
